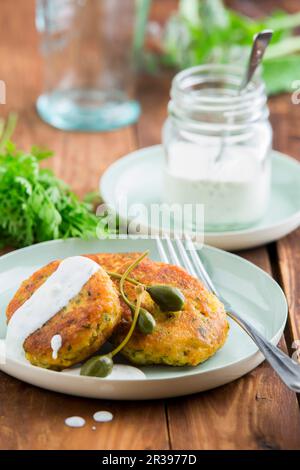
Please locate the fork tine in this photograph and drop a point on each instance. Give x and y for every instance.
(172, 252)
(185, 259)
(199, 266)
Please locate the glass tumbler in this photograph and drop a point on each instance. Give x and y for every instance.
(87, 46)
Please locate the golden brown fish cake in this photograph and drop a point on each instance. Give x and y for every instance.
(184, 338)
(84, 324)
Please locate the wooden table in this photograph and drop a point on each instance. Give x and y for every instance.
(255, 412)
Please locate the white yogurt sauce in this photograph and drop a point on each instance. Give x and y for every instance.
(234, 191)
(56, 344)
(103, 416)
(124, 372)
(56, 292)
(75, 422)
(119, 372)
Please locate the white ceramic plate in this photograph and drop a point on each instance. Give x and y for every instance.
(252, 292)
(138, 177)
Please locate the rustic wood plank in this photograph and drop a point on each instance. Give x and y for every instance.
(285, 119)
(31, 418)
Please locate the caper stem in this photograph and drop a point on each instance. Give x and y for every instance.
(136, 307)
(133, 324)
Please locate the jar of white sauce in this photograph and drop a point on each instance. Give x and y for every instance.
(206, 114)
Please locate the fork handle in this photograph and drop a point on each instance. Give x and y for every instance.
(287, 369)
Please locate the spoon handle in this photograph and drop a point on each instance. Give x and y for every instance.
(260, 44)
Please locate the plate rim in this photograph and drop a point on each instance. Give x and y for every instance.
(135, 154)
(193, 371)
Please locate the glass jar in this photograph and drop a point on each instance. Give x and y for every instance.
(217, 146)
(87, 46)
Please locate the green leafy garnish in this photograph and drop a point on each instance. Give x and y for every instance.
(35, 205)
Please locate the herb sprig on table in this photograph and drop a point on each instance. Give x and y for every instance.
(205, 31)
(35, 205)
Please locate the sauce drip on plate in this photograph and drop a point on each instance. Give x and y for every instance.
(75, 422)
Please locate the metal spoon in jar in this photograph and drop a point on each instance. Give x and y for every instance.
(260, 43)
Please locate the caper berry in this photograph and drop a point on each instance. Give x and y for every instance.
(167, 298)
(97, 366)
(146, 322)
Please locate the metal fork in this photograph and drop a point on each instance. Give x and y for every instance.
(285, 367)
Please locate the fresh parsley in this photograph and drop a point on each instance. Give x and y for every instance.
(35, 205)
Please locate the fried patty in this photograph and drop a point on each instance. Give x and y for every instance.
(84, 324)
(184, 338)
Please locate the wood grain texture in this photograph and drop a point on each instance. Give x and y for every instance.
(257, 411)
(285, 117)
(286, 125)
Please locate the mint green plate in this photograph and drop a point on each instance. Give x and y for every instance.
(138, 178)
(251, 291)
